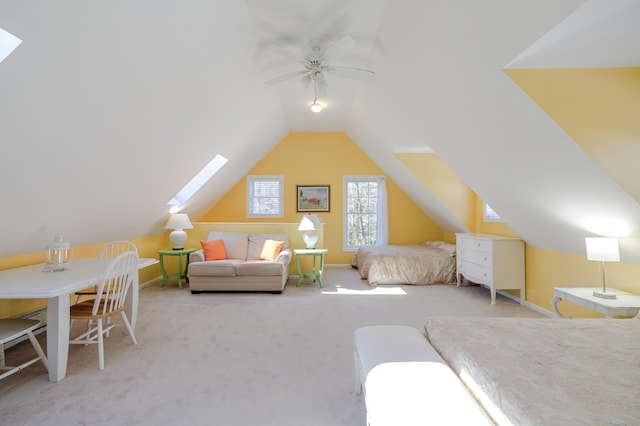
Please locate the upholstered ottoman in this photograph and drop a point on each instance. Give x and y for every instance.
(406, 382)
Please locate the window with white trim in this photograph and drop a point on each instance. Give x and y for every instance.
(265, 196)
(363, 204)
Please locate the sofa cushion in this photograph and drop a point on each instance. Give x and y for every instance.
(271, 249)
(235, 243)
(256, 243)
(217, 268)
(259, 268)
(213, 250)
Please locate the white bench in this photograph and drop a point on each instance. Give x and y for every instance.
(405, 382)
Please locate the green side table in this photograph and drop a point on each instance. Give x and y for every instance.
(318, 265)
(180, 275)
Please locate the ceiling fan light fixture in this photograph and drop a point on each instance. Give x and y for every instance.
(316, 107)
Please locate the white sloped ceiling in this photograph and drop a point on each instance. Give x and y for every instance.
(107, 109)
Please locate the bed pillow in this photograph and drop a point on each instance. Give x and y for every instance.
(213, 250)
(449, 248)
(271, 249)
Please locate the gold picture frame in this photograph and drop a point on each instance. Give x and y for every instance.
(313, 198)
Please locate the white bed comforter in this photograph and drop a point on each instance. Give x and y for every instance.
(410, 264)
(546, 371)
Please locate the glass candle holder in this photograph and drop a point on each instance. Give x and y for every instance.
(57, 255)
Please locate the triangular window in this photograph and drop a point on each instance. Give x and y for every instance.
(8, 43)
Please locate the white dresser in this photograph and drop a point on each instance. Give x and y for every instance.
(491, 260)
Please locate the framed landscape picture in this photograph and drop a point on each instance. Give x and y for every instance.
(312, 198)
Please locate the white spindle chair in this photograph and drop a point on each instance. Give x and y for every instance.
(110, 251)
(110, 301)
(11, 329)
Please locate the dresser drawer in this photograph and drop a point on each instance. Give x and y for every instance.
(475, 244)
(477, 273)
(475, 256)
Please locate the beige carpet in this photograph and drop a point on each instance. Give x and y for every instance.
(232, 358)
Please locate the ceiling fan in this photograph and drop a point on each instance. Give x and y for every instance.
(318, 62)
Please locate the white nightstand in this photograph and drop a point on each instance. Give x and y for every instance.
(625, 305)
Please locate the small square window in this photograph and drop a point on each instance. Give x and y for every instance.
(265, 196)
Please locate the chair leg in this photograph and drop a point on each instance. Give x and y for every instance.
(38, 349)
(129, 329)
(100, 346)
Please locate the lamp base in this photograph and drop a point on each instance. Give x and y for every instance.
(178, 238)
(604, 294)
(310, 239)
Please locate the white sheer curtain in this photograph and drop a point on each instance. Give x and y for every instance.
(382, 231)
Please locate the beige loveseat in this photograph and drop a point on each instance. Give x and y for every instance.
(243, 269)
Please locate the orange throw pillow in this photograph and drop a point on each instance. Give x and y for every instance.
(214, 250)
(271, 249)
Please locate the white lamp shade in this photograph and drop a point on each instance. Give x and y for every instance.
(310, 222)
(179, 221)
(604, 249)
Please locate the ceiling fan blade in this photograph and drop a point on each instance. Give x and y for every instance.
(350, 72)
(339, 47)
(306, 80)
(285, 77)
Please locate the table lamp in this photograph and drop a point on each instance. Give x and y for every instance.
(178, 222)
(310, 224)
(603, 249)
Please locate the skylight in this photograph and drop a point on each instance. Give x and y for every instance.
(197, 182)
(8, 43)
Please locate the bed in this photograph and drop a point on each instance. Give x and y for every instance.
(545, 371)
(428, 263)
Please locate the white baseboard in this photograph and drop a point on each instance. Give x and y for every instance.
(527, 304)
(156, 280)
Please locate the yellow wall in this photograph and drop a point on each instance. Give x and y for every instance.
(443, 183)
(547, 269)
(324, 159)
(147, 247)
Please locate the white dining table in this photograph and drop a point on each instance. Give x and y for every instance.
(32, 282)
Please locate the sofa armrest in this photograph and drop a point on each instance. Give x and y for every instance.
(284, 257)
(196, 256)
